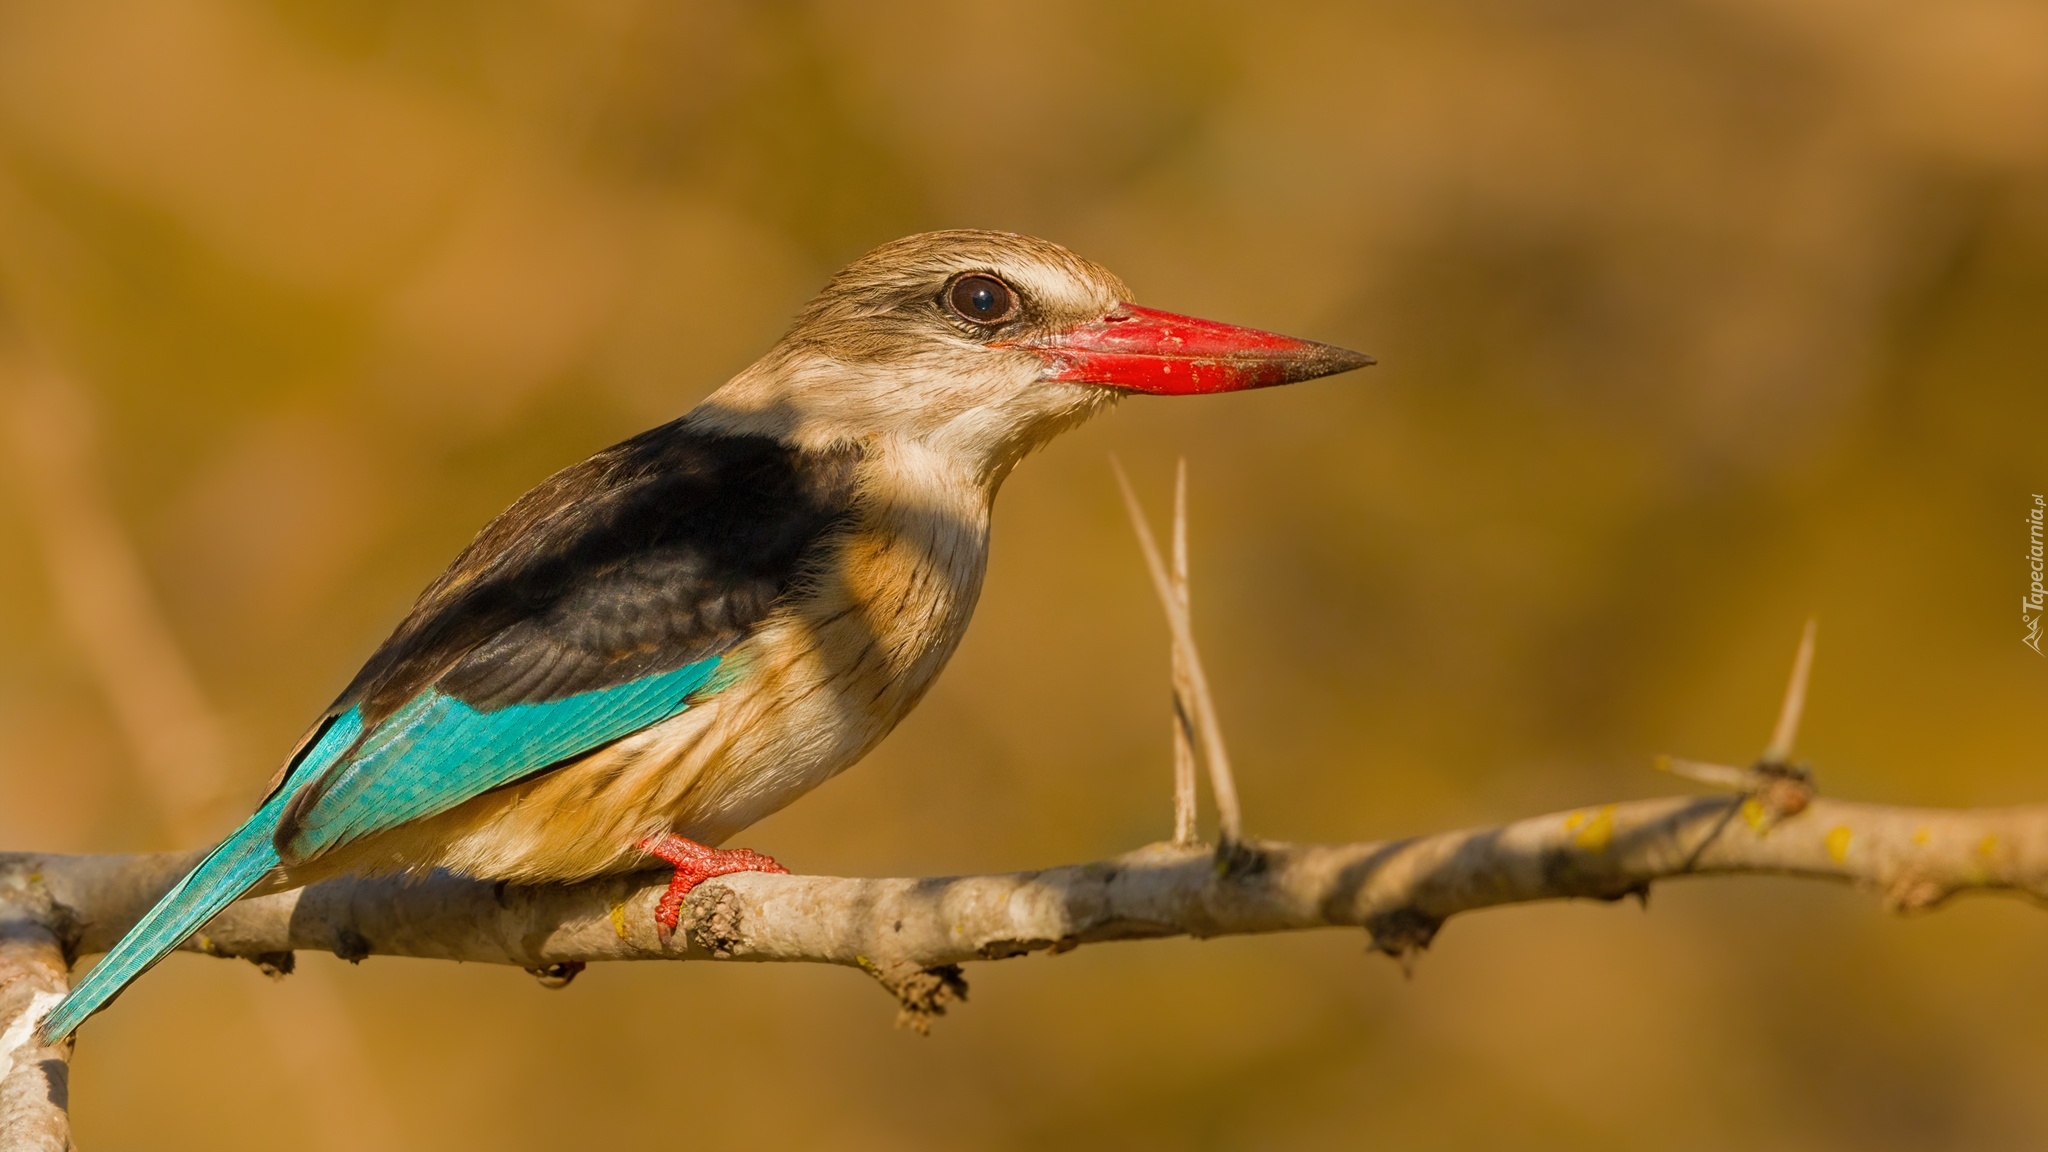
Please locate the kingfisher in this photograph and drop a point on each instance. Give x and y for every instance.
(661, 645)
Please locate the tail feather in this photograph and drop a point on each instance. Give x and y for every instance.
(230, 870)
(241, 861)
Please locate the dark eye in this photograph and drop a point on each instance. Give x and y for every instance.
(982, 299)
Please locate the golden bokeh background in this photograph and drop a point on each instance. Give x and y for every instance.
(1694, 319)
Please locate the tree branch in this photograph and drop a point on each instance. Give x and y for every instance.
(35, 1080)
(911, 934)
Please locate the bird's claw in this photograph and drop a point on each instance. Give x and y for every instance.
(694, 864)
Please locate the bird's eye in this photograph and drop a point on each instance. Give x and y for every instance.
(982, 299)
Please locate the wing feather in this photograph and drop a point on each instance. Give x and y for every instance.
(601, 603)
(438, 751)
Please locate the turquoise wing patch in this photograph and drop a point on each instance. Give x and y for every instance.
(437, 751)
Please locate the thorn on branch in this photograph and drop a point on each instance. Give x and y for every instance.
(1184, 829)
(1771, 792)
(1195, 707)
(1774, 788)
(1712, 775)
(1786, 732)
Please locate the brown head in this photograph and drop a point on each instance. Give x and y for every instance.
(984, 345)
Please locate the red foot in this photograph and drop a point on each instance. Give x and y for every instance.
(695, 863)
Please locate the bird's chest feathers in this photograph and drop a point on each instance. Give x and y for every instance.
(832, 672)
(897, 593)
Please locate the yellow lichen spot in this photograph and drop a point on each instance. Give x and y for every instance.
(1920, 836)
(1988, 846)
(1574, 821)
(619, 920)
(1754, 814)
(1598, 832)
(1838, 843)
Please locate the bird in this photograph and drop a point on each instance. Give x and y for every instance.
(656, 647)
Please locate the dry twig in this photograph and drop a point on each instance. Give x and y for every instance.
(1229, 818)
(1184, 829)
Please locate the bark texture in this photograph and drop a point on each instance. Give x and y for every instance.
(35, 1081)
(913, 934)
(1399, 891)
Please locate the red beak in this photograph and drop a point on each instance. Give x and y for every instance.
(1146, 350)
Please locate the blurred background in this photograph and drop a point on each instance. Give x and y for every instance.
(1693, 319)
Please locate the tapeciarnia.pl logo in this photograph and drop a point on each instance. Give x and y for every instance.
(2036, 598)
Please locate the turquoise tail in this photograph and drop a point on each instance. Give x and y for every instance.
(230, 870)
(242, 859)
